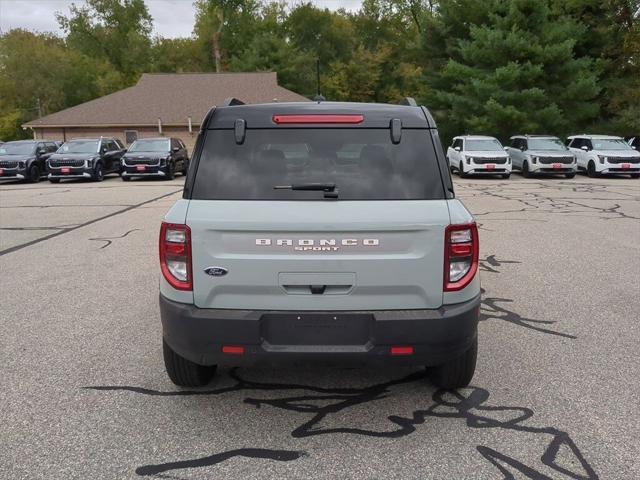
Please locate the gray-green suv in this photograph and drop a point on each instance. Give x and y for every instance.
(323, 232)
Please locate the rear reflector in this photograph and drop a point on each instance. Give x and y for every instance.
(397, 351)
(232, 350)
(302, 119)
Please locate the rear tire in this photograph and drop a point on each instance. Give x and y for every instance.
(183, 372)
(591, 170)
(456, 373)
(34, 174)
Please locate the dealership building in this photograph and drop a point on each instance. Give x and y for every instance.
(171, 105)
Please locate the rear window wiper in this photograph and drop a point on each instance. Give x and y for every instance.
(330, 190)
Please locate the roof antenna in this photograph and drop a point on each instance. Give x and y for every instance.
(318, 98)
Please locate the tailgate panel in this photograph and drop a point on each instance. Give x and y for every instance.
(368, 255)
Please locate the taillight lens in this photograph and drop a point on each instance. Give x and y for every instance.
(461, 250)
(175, 255)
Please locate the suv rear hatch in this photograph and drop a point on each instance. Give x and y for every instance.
(377, 246)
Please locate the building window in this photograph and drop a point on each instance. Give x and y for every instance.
(130, 136)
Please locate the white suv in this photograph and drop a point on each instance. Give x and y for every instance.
(604, 154)
(474, 154)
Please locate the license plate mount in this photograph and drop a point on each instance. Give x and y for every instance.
(65, 170)
(626, 165)
(141, 168)
(557, 165)
(316, 329)
(491, 166)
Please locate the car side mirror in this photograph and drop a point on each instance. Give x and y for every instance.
(42, 151)
(457, 149)
(522, 149)
(506, 149)
(585, 148)
(175, 149)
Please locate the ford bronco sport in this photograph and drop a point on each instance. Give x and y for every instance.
(319, 232)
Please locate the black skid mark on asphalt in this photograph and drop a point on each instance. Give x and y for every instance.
(109, 240)
(257, 453)
(491, 309)
(490, 264)
(26, 229)
(467, 404)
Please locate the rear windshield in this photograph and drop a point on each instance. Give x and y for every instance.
(363, 164)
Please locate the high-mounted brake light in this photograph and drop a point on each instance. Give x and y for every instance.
(317, 119)
(461, 251)
(175, 255)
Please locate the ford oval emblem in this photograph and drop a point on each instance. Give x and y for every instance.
(216, 271)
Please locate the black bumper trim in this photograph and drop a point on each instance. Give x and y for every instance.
(436, 335)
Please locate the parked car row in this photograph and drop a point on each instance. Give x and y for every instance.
(544, 154)
(92, 159)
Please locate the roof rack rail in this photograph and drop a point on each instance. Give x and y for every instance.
(409, 101)
(231, 101)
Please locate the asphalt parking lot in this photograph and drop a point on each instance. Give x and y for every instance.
(555, 395)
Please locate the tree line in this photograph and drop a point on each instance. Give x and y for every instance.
(496, 67)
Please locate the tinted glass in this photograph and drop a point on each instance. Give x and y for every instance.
(79, 146)
(609, 144)
(17, 148)
(483, 145)
(363, 163)
(160, 145)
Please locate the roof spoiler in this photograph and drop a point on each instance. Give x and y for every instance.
(231, 101)
(408, 101)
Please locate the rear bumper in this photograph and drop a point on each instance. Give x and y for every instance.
(435, 335)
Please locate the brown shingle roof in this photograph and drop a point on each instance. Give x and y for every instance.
(172, 98)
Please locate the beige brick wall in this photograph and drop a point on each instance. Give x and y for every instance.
(68, 133)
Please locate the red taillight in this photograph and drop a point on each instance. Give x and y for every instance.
(175, 255)
(461, 249)
(398, 351)
(232, 350)
(300, 119)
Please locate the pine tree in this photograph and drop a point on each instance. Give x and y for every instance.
(511, 69)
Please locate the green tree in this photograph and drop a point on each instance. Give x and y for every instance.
(118, 31)
(40, 75)
(512, 70)
(224, 27)
(324, 34)
(612, 40)
(177, 55)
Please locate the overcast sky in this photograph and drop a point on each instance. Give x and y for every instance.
(171, 18)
